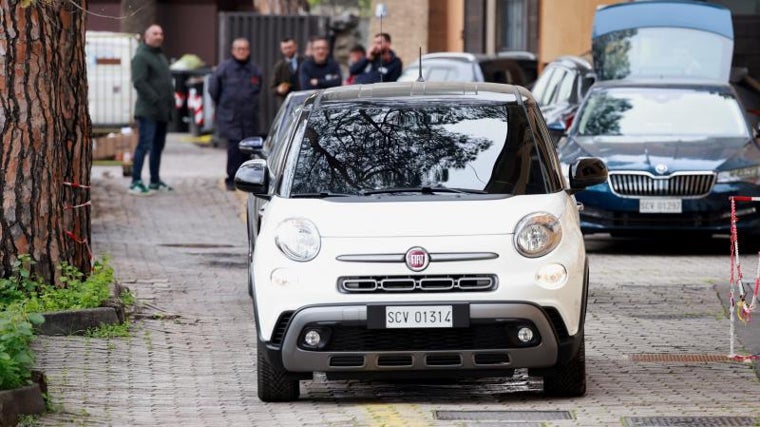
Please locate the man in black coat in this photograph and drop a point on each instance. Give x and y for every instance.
(380, 65)
(234, 87)
(320, 71)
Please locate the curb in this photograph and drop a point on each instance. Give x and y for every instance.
(74, 322)
(23, 401)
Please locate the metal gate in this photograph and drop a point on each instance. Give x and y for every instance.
(264, 33)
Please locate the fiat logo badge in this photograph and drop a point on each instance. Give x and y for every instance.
(661, 168)
(417, 258)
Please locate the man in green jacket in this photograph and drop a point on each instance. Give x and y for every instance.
(152, 79)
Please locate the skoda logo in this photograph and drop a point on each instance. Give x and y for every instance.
(661, 168)
(417, 258)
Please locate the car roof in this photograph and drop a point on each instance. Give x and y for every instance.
(491, 91)
(572, 61)
(665, 83)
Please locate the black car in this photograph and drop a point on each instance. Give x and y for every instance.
(517, 68)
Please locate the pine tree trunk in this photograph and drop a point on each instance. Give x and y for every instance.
(45, 143)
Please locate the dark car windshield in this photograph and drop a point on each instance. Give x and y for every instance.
(661, 111)
(364, 148)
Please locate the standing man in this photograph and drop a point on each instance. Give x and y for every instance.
(380, 65)
(152, 80)
(320, 71)
(234, 87)
(285, 74)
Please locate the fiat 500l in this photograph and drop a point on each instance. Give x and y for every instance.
(417, 230)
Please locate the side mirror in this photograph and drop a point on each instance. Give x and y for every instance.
(251, 145)
(253, 177)
(558, 126)
(585, 172)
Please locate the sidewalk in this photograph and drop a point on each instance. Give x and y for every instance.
(184, 253)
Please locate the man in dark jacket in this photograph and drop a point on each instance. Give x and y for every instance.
(380, 65)
(320, 71)
(285, 74)
(152, 80)
(234, 87)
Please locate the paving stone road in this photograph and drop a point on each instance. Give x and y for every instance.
(656, 332)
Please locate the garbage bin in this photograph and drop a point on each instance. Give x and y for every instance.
(200, 106)
(181, 119)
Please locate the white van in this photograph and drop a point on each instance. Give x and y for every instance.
(111, 97)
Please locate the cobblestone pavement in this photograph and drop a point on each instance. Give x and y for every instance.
(656, 333)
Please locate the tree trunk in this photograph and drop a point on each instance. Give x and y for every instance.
(45, 143)
(137, 15)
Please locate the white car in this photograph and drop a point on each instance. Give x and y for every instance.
(417, 230)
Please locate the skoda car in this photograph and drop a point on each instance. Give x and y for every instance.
(676, 151)
(417, 230)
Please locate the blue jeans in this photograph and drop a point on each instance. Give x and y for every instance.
(152, 140)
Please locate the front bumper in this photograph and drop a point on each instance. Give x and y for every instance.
(485, 345)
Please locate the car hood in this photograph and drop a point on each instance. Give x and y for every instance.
(399, 216)
(645, 153)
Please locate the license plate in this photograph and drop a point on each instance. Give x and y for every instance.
(660, 206)
(411, 316)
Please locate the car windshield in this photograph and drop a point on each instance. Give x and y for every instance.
(440, 70)
(661, 111)
(431, 148)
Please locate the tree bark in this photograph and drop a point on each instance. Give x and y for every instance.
(137, 15)
(45, 143)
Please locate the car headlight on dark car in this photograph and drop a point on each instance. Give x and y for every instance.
(749, 174)
(537, 234)
(298, 239)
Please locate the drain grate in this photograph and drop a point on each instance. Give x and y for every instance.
(507, 416)
(196, 245)
(688, 421)
(679, 358)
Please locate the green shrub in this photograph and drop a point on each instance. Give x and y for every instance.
(23, 297)
(16, 358)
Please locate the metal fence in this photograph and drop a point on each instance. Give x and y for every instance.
(264, 33)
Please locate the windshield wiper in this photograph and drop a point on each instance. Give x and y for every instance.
(423, 190)
(319, 195)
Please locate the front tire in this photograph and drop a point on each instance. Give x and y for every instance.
(273, 383)
(569, 379)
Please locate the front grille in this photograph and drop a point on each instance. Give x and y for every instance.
(443, 360)
(491, 358)
(347, 361)
(484, 337)
(643, 184)
(438, 283)
(401, 360)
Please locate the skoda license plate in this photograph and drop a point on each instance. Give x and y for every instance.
(659, 205)
(412, 316)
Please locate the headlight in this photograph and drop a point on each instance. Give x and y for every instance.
(298, 239)
(537, 234)
(749, 174)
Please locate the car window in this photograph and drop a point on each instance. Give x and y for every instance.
(661, 111)
(565, 87)
(552, 88)
(357, 147)
(542, 84)
(440, 70)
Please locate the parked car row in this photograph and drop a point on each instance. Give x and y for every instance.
(659, 110)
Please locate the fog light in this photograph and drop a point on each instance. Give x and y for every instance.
(551, 276)
(525, 335)
(312, 338)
